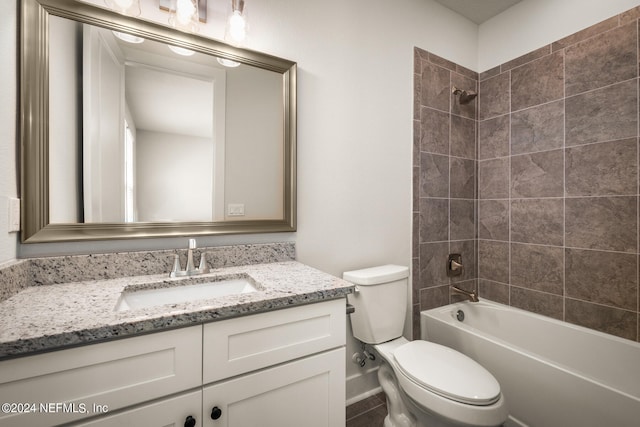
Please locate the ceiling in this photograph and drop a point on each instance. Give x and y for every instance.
(478, 11)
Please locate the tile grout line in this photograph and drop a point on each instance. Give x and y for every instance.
(564, 186)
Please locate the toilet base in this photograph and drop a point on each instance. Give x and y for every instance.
(402, 411)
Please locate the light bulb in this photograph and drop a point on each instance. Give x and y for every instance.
(125, 7)
(237, 27)
(123, 4)
(184, 15)
(184, 11)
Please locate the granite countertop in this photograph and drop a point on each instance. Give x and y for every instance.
(43, 318)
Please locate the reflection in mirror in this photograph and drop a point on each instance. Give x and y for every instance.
(153, 134)
(132, 129)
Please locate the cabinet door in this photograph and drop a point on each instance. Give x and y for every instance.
(237, 346)
(67, 385)
(308, 392)
(163, 413)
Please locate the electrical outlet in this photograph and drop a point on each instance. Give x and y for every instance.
(235, 209)
(14, 215)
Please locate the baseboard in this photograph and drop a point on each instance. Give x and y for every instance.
(362, 385)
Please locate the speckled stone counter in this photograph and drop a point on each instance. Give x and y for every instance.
(43, 318)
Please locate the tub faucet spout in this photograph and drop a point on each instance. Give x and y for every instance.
(471, 295)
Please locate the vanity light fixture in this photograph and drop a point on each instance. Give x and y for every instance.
(181, 50)
(236, 30)
(129, 38)
(183, 15)
(125, 7)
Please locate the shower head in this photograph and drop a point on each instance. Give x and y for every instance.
(464, 96)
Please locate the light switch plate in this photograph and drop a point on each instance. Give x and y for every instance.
(14, 215)
(235, 209)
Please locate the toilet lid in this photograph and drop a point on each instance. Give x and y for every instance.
(447, 372)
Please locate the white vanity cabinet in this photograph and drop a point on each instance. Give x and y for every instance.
(296, 360)
(307, 392)
(279, 368)
(62, 386)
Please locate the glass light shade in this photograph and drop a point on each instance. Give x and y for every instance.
(181, 50)
(125, 7)
(228, 63)
(237, 26)
(129, 38)
(183, 15)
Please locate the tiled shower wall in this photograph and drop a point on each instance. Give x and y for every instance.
(557, 179)
(445, 185)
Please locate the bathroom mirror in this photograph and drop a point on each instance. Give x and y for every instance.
(123, 139)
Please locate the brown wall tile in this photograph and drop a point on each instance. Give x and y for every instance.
(434, 175)
(493, 219)
(614, 321)
(528, 57)
(608, 168)
(434, 297)
(493, 261)
(494, 96)
(540, 268)
(538, 302)
(493, 137)
(435, 86)
(463, 178)
(463, 137)
(630, 15)
(433, 264)
(416, 143)
(434, 220)
(608, 278)
(603, 114)
(498, 292)
(489, 73)
(462, 219)
(607, 58)
(434, 131)
(538, 174)
(537, 221)
(538, 82)
(538, 128)
(606, 223)
(493, 178)
(552, 131)
(586, 33)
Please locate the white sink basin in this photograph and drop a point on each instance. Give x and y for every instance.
(134, 298)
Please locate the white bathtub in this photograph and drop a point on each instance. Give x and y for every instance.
(552, 373)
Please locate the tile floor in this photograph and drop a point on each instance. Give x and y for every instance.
(369, 412)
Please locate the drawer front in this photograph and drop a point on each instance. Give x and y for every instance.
(72, 384)
(244, 344)
(307, 392)
(171, 412)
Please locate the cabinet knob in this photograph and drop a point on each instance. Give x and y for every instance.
(190, 422)
(216, 413)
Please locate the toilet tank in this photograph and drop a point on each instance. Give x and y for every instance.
(380, 302)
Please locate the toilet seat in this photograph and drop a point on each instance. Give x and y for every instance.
(446, 372)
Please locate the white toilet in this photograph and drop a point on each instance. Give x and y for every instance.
(426, 384)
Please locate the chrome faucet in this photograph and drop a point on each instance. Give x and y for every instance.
(471, 295)
(190, 269)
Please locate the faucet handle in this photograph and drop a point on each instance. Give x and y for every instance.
(203, 267)
(175, 271)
